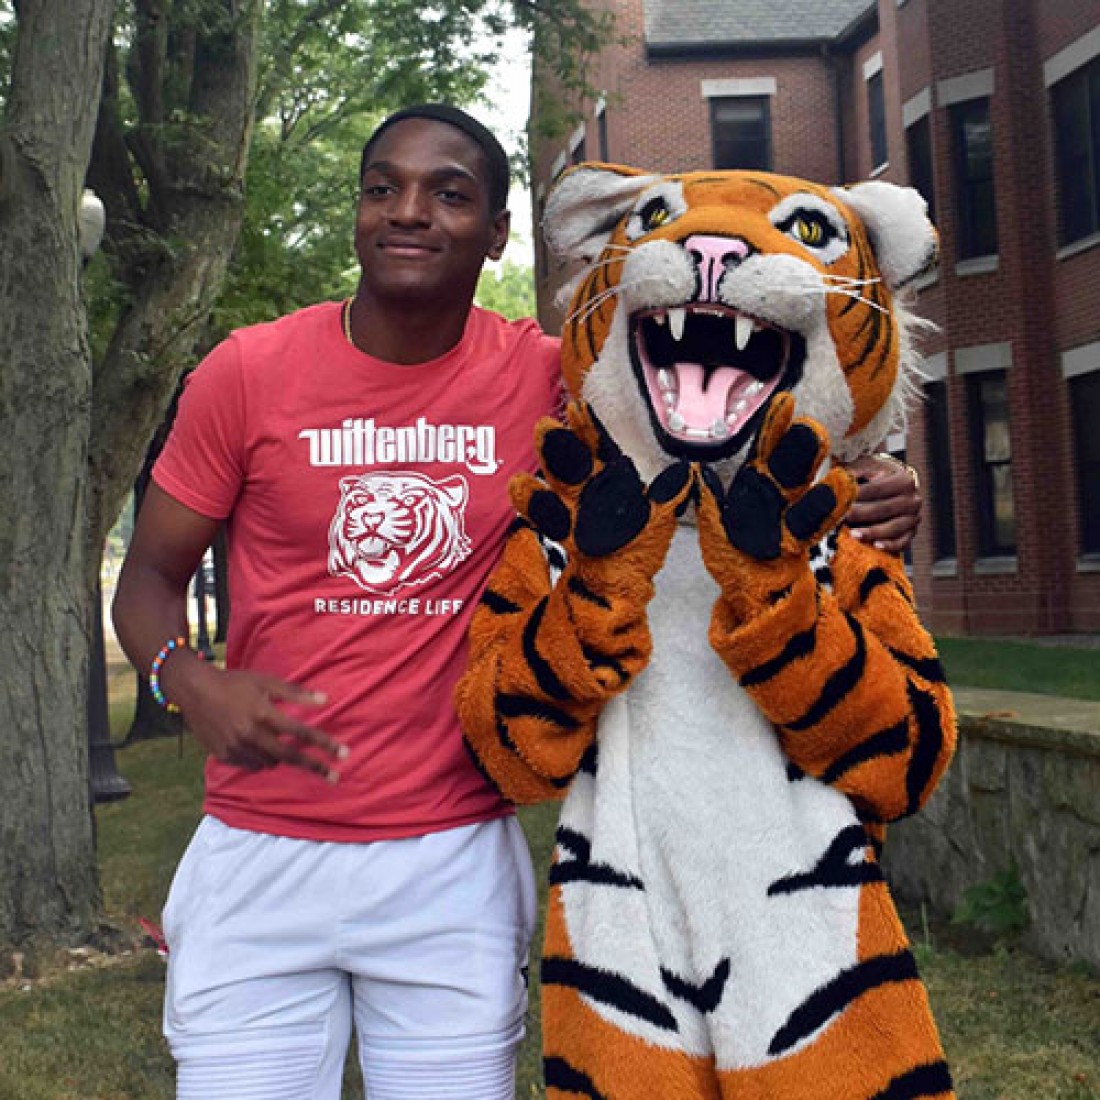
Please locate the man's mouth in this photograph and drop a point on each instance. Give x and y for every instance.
(708, 371)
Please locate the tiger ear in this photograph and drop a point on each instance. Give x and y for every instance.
(586, 205)
(905, 242)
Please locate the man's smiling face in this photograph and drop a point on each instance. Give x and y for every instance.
(424, 228)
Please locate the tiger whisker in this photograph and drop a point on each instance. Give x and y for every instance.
(848, 280)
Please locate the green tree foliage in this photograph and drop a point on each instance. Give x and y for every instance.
(508, 288)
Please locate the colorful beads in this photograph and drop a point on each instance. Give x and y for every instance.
(154, 671)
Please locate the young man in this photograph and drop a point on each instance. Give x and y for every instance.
(353, 865)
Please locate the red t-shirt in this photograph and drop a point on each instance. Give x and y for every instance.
(366, 503)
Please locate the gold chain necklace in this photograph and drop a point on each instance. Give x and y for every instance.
(347, 321)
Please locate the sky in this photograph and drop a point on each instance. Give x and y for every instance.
(509, 99)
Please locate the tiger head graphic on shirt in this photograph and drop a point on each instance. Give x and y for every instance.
(395, 530)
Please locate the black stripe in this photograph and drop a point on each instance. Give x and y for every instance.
(580, 868)
(931, 1079)
(498, 604)
(840, 684)
(555, 556)
(929, 744)
(833, 997)
(505, 738)
(875, 579)
(562, 1076)
(596, 659)
(546, 677)
(800, 645)
(607, 988)
(523, 706)
(591, 759)
(579, 588)
(887, 742)
(706, 996)
(927, 668)
(834, 868)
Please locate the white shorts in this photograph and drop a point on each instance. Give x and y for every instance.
(277, 945)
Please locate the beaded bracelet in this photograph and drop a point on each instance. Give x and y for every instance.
(154, 672)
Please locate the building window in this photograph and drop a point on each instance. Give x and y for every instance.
(941, 484)
(918, 142)
(876, 119)
(972, 140)
(601, 134)
(741, 132)
(579, 152)
(992, 443)
(1084, 396)
(1076, 102)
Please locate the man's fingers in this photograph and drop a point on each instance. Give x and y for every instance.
(292, 693)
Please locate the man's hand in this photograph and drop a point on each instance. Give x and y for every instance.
(236, 717)
(887, 509)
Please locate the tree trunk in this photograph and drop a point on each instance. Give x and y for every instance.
(48, 881)
(173, 244)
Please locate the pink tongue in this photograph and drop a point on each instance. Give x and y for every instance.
(701, 408)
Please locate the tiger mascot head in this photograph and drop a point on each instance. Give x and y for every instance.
(397, 530)
(705, 294)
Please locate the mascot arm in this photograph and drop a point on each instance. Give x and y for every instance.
(547, 653)
(851, 681)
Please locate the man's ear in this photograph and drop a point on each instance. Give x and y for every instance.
(502, 226)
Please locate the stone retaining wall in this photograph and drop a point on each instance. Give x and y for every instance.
(1015, 795)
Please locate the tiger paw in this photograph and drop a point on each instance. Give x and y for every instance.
(760, 531)
(591, 500)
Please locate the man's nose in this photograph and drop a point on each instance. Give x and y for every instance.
(409, 206)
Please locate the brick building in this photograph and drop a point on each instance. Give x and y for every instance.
(991, 108)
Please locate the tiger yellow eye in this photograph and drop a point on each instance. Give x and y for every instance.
(809, 232)
(657, 218)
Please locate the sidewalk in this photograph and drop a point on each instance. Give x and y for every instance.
(1024, 708)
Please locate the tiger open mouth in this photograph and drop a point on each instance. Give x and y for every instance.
(708, 371)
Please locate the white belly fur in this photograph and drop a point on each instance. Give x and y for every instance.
(692, 796)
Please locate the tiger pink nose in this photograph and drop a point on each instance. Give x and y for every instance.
(714, 256)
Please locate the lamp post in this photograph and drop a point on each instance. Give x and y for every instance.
(107, 785)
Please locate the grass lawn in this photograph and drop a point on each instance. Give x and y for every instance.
(1021, 666)
(1015, 1028)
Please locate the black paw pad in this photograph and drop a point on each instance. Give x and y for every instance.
(792, 461)
(613, 510)
(669, 483)
(753, 515)
(549, 515)
(566, 457)
(806, 518)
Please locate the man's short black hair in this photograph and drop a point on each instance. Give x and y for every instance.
(496, 158)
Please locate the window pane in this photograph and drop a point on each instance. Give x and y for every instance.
(741, 132)
(972, 137)
(1004, 516)
(939, 454)
(919, 147)
(876, 111)
(1076, 183)
(1084, 393)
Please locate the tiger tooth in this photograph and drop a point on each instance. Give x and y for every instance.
(676, 319)
(755, 388)
(719, 430)
(676, 422)
(743, 330)
(669, 399)
(660, 318)
(665, 380)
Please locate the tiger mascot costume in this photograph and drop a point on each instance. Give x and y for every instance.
(731, 692)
